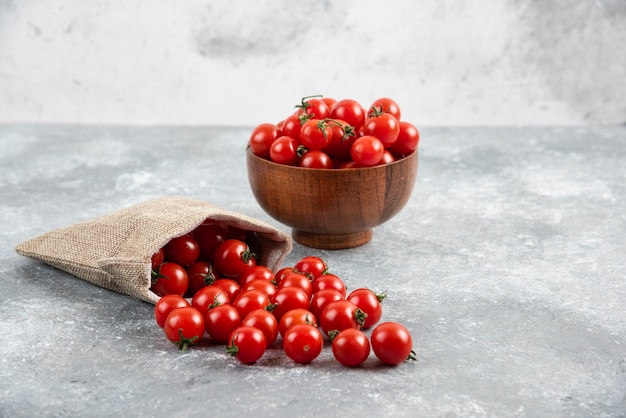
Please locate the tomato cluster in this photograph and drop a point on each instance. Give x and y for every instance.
(303, 305)
(328, 133)
(210, 254)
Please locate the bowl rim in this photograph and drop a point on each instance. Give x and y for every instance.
(374, 167)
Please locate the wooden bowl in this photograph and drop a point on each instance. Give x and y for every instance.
(332, 208)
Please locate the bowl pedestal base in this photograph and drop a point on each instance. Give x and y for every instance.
(332, 241)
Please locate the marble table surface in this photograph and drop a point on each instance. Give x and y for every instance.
(507, 265)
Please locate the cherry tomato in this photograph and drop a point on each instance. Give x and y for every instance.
(157, 258)
(266, 322)
(281, 274)
(387, 158)
(329, 281)
(384, 126)
(316, 159)
(256, 273)
(247, 344)
(314, 107)
(312, 266)
(167, 304)
(350, 347)
(229, 286)
(182, 250)
(285, 151)
(408, 139)
(370, 303)
(385, 105)
(315, 134)
(298, 280)
(392, 343)
(340, 315)
(349, 110)
(294, 317)
(292, 126)
(343, 135)
(367, 151)
(237, 233)
(184, 327)
(329, 102)
(200, 274)
(262, 138)
(232, 257)
(303, 343)
(221, 321)
(321, 299)
(289, 298)
(208, 297)
(209, 235)
(262, 286)
(251, 300)
(170, 278)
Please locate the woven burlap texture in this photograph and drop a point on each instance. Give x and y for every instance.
(114, 251)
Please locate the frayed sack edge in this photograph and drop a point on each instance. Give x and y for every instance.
(114, 251)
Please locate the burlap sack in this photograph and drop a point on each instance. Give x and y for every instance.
(114, 251)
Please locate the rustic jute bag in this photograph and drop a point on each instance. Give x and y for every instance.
(114, 251)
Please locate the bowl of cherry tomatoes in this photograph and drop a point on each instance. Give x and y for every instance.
(334, 170)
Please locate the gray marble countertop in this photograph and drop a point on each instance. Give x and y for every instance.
(506, 265)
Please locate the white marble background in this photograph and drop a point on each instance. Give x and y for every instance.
(223, 62)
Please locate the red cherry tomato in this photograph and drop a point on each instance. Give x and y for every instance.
(208, 297)
(384, 126)
(303, 343)
(266, 322)
(340, 315)
(221, 321)
(298, 280)
(285, 151)
(257, 272)
(167, 304)
(341, 140)
(247, 344)
(370, 303)
(292, 126)
(170, 278)
(229, 286)
(262, 286)
(232, 257)
(289, 298)
(349, 110)
(209, 235)
(392, 343)
(184, 327)
(262, 138)
(329, 281)
(387, 158)
(385, 105)
(281, 274)
(294, 317)
(182, 250)
(367, 151)
(157, 258)
(200, 274)
(321, 299)
(312, 266)
(408, 139)
(315, 134)
(315, 159)
(251, 300)
(329, 101)
(313, 107)
(350, 347)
